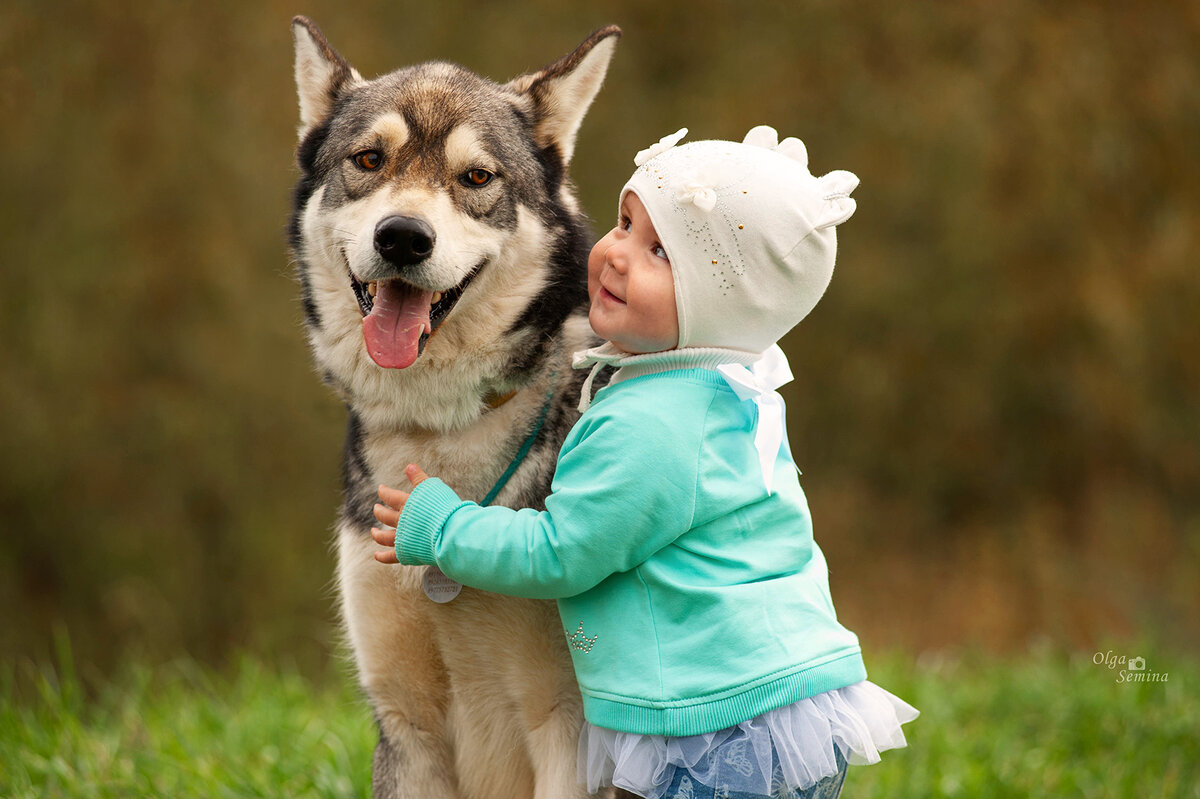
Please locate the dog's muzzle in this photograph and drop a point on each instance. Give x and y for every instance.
(399, 316)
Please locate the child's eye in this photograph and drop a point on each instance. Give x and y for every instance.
(625, 224)
(659, 252)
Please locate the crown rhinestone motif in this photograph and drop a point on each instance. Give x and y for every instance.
(581, 642)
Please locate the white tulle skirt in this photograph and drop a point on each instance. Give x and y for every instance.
(794, 744)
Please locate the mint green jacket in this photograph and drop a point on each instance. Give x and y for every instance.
(690, 598)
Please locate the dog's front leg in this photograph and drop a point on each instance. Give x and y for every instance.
(552, 710)
(400, 671)
(555, 745)
(408, 764)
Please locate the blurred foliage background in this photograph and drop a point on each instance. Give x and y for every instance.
(995, 405)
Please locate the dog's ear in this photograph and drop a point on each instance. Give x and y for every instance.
(563, 92)
(321, 74)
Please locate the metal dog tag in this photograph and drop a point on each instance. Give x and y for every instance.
(438, 587)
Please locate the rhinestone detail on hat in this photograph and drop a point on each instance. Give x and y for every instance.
(699, 225)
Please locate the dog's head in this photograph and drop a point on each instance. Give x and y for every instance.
(415, 184)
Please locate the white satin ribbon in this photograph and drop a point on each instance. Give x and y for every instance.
(759, 383)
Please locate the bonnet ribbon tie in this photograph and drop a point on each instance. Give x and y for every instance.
(599, 357)
(759, 383)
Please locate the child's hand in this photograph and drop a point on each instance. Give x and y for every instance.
(389, 514)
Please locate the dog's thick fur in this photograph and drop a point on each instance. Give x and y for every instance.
(475, 698)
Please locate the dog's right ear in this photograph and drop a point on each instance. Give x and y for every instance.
(321, 74)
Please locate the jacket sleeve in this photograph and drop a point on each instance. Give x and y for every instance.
(618, 495)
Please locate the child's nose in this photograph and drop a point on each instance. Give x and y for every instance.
(618, 256)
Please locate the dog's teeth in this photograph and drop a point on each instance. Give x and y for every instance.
(372, 288)
(437, 296)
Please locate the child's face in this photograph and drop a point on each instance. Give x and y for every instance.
(630, 283)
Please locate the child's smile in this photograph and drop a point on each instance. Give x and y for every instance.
(631, 286)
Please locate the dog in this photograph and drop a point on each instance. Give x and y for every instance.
(441, 258)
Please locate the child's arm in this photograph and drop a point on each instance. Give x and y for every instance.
(603, 517)
(389, 514)
(625, 486)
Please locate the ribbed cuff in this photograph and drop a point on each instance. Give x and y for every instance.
(421, 521)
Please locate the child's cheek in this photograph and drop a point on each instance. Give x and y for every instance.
(595, 264)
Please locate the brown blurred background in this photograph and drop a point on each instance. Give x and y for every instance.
(995, 406)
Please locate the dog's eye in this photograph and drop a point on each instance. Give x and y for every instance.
(476, 178)
(368, 159)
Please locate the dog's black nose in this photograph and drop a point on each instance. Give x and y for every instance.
(404, 240)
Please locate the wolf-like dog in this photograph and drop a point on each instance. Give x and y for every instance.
(441, 256)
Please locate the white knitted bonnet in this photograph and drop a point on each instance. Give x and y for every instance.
(749, 231)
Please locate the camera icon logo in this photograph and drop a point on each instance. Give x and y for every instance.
(1136, 664)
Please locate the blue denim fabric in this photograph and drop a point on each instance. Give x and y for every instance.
(684, 787)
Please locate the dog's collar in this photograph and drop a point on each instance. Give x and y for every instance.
(526, 445)
(494, 400)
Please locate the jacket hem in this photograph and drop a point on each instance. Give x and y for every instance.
(700, 716)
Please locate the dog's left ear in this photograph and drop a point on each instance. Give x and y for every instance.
(563, 92)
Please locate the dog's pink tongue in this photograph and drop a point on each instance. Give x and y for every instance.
(393, 329)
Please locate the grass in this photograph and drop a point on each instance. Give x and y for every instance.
(182, 731)
(1047, 724)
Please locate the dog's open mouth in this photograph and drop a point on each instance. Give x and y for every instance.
(399, 318)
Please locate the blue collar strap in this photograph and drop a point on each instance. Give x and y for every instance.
(522, 452)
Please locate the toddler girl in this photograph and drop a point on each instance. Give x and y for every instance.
(677, 539)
